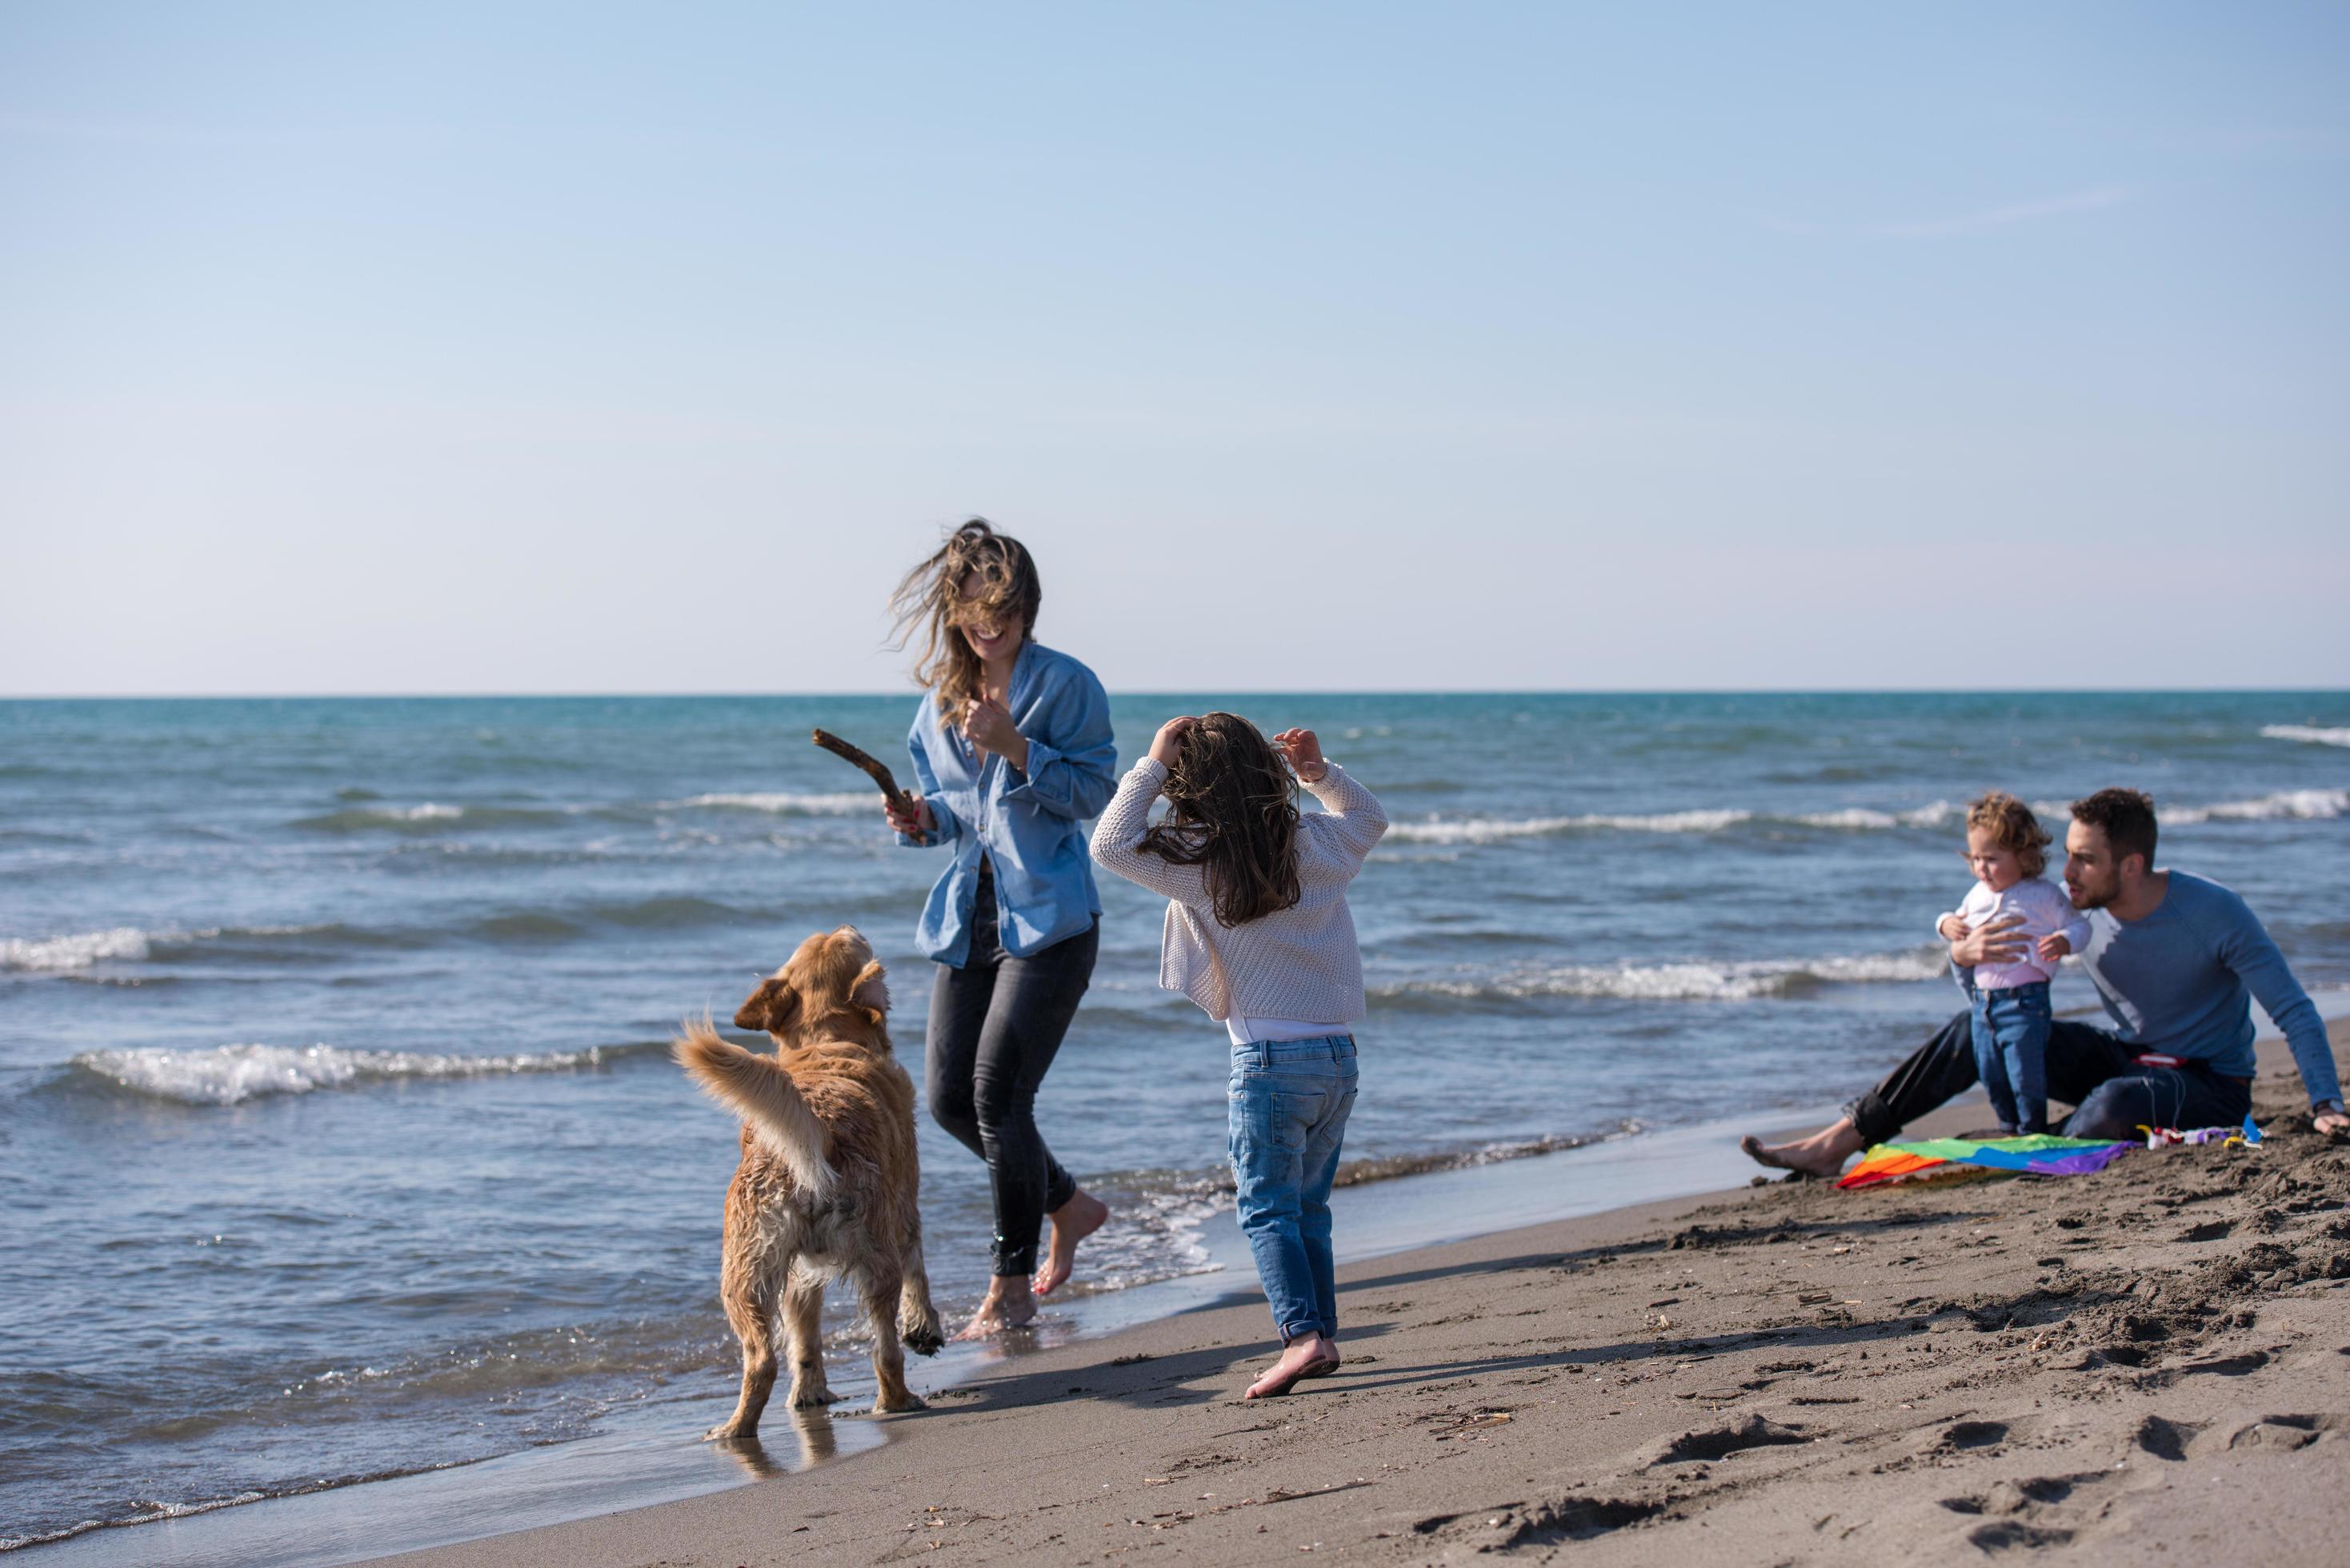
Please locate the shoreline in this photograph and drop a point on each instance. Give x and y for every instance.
(2075, 1364)
(1459, 1218)
(651, 1455)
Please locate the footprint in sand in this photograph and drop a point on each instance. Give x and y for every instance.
(2282, 1434)
(2165, 1438)
(1712, 1443)
(1968, 1437)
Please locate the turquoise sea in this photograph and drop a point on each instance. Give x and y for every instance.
(337, 1140)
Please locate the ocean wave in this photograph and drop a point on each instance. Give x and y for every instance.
(2285, 805)
(1692, 981)
(1861, 819)
(232, 1074)
(125, 944)
(1492, 830)
(2310, 732)
(2303, 805)
(157, 1514)
(1394, 1166)
(430, 817)
(278, 944)
(785, 803)
(129, 944)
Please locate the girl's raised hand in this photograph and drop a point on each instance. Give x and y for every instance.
(918, 825)
(1303, 751)
(1168, 744)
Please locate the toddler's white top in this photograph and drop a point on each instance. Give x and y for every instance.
(2045, 911)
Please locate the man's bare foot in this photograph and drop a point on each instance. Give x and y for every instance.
(1823, 1154)
(1008, 1305)
(1073, 1221)
(1309, 1355)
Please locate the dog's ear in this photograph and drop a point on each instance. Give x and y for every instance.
(772, 1008)
(871, 990)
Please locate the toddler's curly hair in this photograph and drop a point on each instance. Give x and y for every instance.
(2013, 829)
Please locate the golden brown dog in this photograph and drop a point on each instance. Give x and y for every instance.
(829, 1181)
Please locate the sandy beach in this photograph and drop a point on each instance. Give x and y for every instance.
(2153, 1362)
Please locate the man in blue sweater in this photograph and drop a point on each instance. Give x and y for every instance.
(2178, 960)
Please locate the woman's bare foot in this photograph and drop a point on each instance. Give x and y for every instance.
(1309, 1355)
(1073, 1221)
(1008, 1305)
(1823, 1154)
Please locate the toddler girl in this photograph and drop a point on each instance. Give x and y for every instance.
(2007, 848)
(1258, 933)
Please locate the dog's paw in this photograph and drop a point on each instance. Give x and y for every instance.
(886, 1406)
(732, 1432)
(925, 1339)
(815, 1398)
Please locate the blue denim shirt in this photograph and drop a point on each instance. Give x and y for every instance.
(1028, 823)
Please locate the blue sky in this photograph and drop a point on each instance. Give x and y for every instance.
(539, 348)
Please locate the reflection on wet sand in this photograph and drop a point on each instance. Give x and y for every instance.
(816, 1439)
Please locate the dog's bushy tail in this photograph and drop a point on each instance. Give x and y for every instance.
(757, 1089)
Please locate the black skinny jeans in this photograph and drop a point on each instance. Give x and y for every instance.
(2088, 1067)
(995, 1025)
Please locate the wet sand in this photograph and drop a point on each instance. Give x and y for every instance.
(2143, 1363)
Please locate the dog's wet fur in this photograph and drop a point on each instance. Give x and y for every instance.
(829, 1181)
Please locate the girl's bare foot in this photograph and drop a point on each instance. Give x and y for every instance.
(1073, 1221)
(1823, 1154)
(1309, 1355)
(1008, 1305)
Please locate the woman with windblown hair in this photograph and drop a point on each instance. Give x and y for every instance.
(1012, 751)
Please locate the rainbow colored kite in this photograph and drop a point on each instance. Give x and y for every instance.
(2037, 1154)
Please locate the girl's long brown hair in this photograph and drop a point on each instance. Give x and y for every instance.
(929, 603)
(1232, 811)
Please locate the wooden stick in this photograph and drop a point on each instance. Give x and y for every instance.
(899, 801)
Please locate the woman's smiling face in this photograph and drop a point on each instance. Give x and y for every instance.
(992, 631)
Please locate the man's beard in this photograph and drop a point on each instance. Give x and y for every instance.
(2086, 897)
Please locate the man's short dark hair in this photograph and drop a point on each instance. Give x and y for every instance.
(2126, 816)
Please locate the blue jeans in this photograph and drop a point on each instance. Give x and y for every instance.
(2010, 1037)
(1289, 1099)
(2091, 1068)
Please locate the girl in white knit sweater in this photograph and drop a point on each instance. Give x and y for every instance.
(1259, 935)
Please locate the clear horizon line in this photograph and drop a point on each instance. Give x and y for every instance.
(651, 696)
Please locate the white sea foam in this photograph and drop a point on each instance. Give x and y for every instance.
(126, 944)
(230, 1074)
(1860, 818)
(1492, 830)
(2302, 805)
(2286, 806)
(2310, 732)
(1696, 980)
(787, 802)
